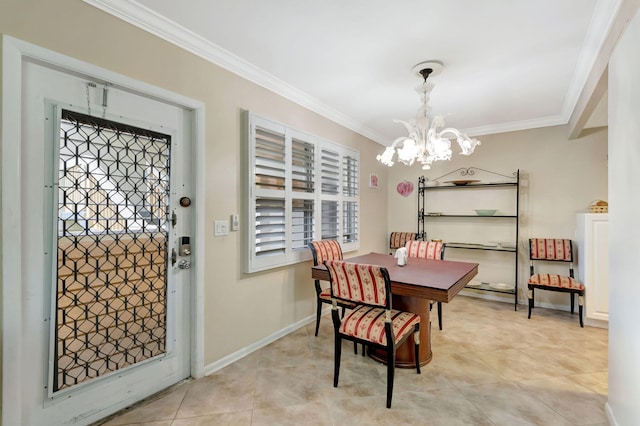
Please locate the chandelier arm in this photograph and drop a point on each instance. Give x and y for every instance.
(457, 133)
(411, 130)
(398, 141)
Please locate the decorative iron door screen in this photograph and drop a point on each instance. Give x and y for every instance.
(112, 236)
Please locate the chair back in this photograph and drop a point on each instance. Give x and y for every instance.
(359, 283)
(425, 249)
(399, 239)
(551, 249)
(325, 250)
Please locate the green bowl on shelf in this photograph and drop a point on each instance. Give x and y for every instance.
(485, 212)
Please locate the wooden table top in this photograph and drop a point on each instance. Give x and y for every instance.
(438, 280)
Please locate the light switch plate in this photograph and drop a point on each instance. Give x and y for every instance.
(221, 228)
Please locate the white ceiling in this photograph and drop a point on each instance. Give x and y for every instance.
(508, 65)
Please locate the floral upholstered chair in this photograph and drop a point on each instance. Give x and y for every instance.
(428, 250)
(372, 322)
(399, 239)
(554, 250)
(324, 250)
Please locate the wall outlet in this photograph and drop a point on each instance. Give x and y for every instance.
(235, 222)
(221, 228)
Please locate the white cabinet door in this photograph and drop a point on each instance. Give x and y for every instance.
(593, 266)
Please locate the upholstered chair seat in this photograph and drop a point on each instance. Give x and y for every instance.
(367, 323)
(553, 280)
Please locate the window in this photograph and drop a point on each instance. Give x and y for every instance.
(301, 188)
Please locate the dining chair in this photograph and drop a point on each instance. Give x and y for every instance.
(399, 239)
(324, 250)
(373, 321)
(554, 250)
(428, 250)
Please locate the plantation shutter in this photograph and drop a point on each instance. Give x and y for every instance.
(350, 193)
(301, 188)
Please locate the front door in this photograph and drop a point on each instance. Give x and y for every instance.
(108, 281)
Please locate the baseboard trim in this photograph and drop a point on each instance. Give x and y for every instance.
(508, 298)
(239, 354)
(610, 416)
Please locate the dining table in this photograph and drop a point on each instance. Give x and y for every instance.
(414, 287)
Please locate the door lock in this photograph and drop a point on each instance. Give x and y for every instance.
(184, 264)
(184, 246)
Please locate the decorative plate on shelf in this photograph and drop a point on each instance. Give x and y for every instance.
(485, 212)
(474, 283)
(501, 286)
(462, 182)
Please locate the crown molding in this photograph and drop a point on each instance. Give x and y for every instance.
(142, 17)
(514, 126)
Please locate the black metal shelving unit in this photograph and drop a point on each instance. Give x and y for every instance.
(501, 180)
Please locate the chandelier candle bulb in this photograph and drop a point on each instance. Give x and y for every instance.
(425, 143)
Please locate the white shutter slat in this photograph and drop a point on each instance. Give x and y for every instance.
(301, 223)
(302, 166)
(330, 220)
(270, 237)
(329, 171)
(270, 159)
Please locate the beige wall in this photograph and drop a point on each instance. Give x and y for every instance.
(240, 309)
(560, 178)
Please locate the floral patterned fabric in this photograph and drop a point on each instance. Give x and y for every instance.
(325, 294)
(367, 323)
(552, 280)
(327, 250)
(399, 239)
(425, 249)
(550, 249)
(357, 282)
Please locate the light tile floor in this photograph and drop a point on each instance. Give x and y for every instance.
(491, 366)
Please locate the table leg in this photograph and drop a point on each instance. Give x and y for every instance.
(405, 357)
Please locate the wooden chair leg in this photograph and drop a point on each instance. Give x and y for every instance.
(318, 314)
(416, 341)
(580, 309)
(530, 301)
(391, 361)
(573, 300)
(440, 315)
(336, 363)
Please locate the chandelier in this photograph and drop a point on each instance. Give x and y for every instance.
(425, 142)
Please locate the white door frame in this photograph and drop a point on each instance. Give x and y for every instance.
(14, 51)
